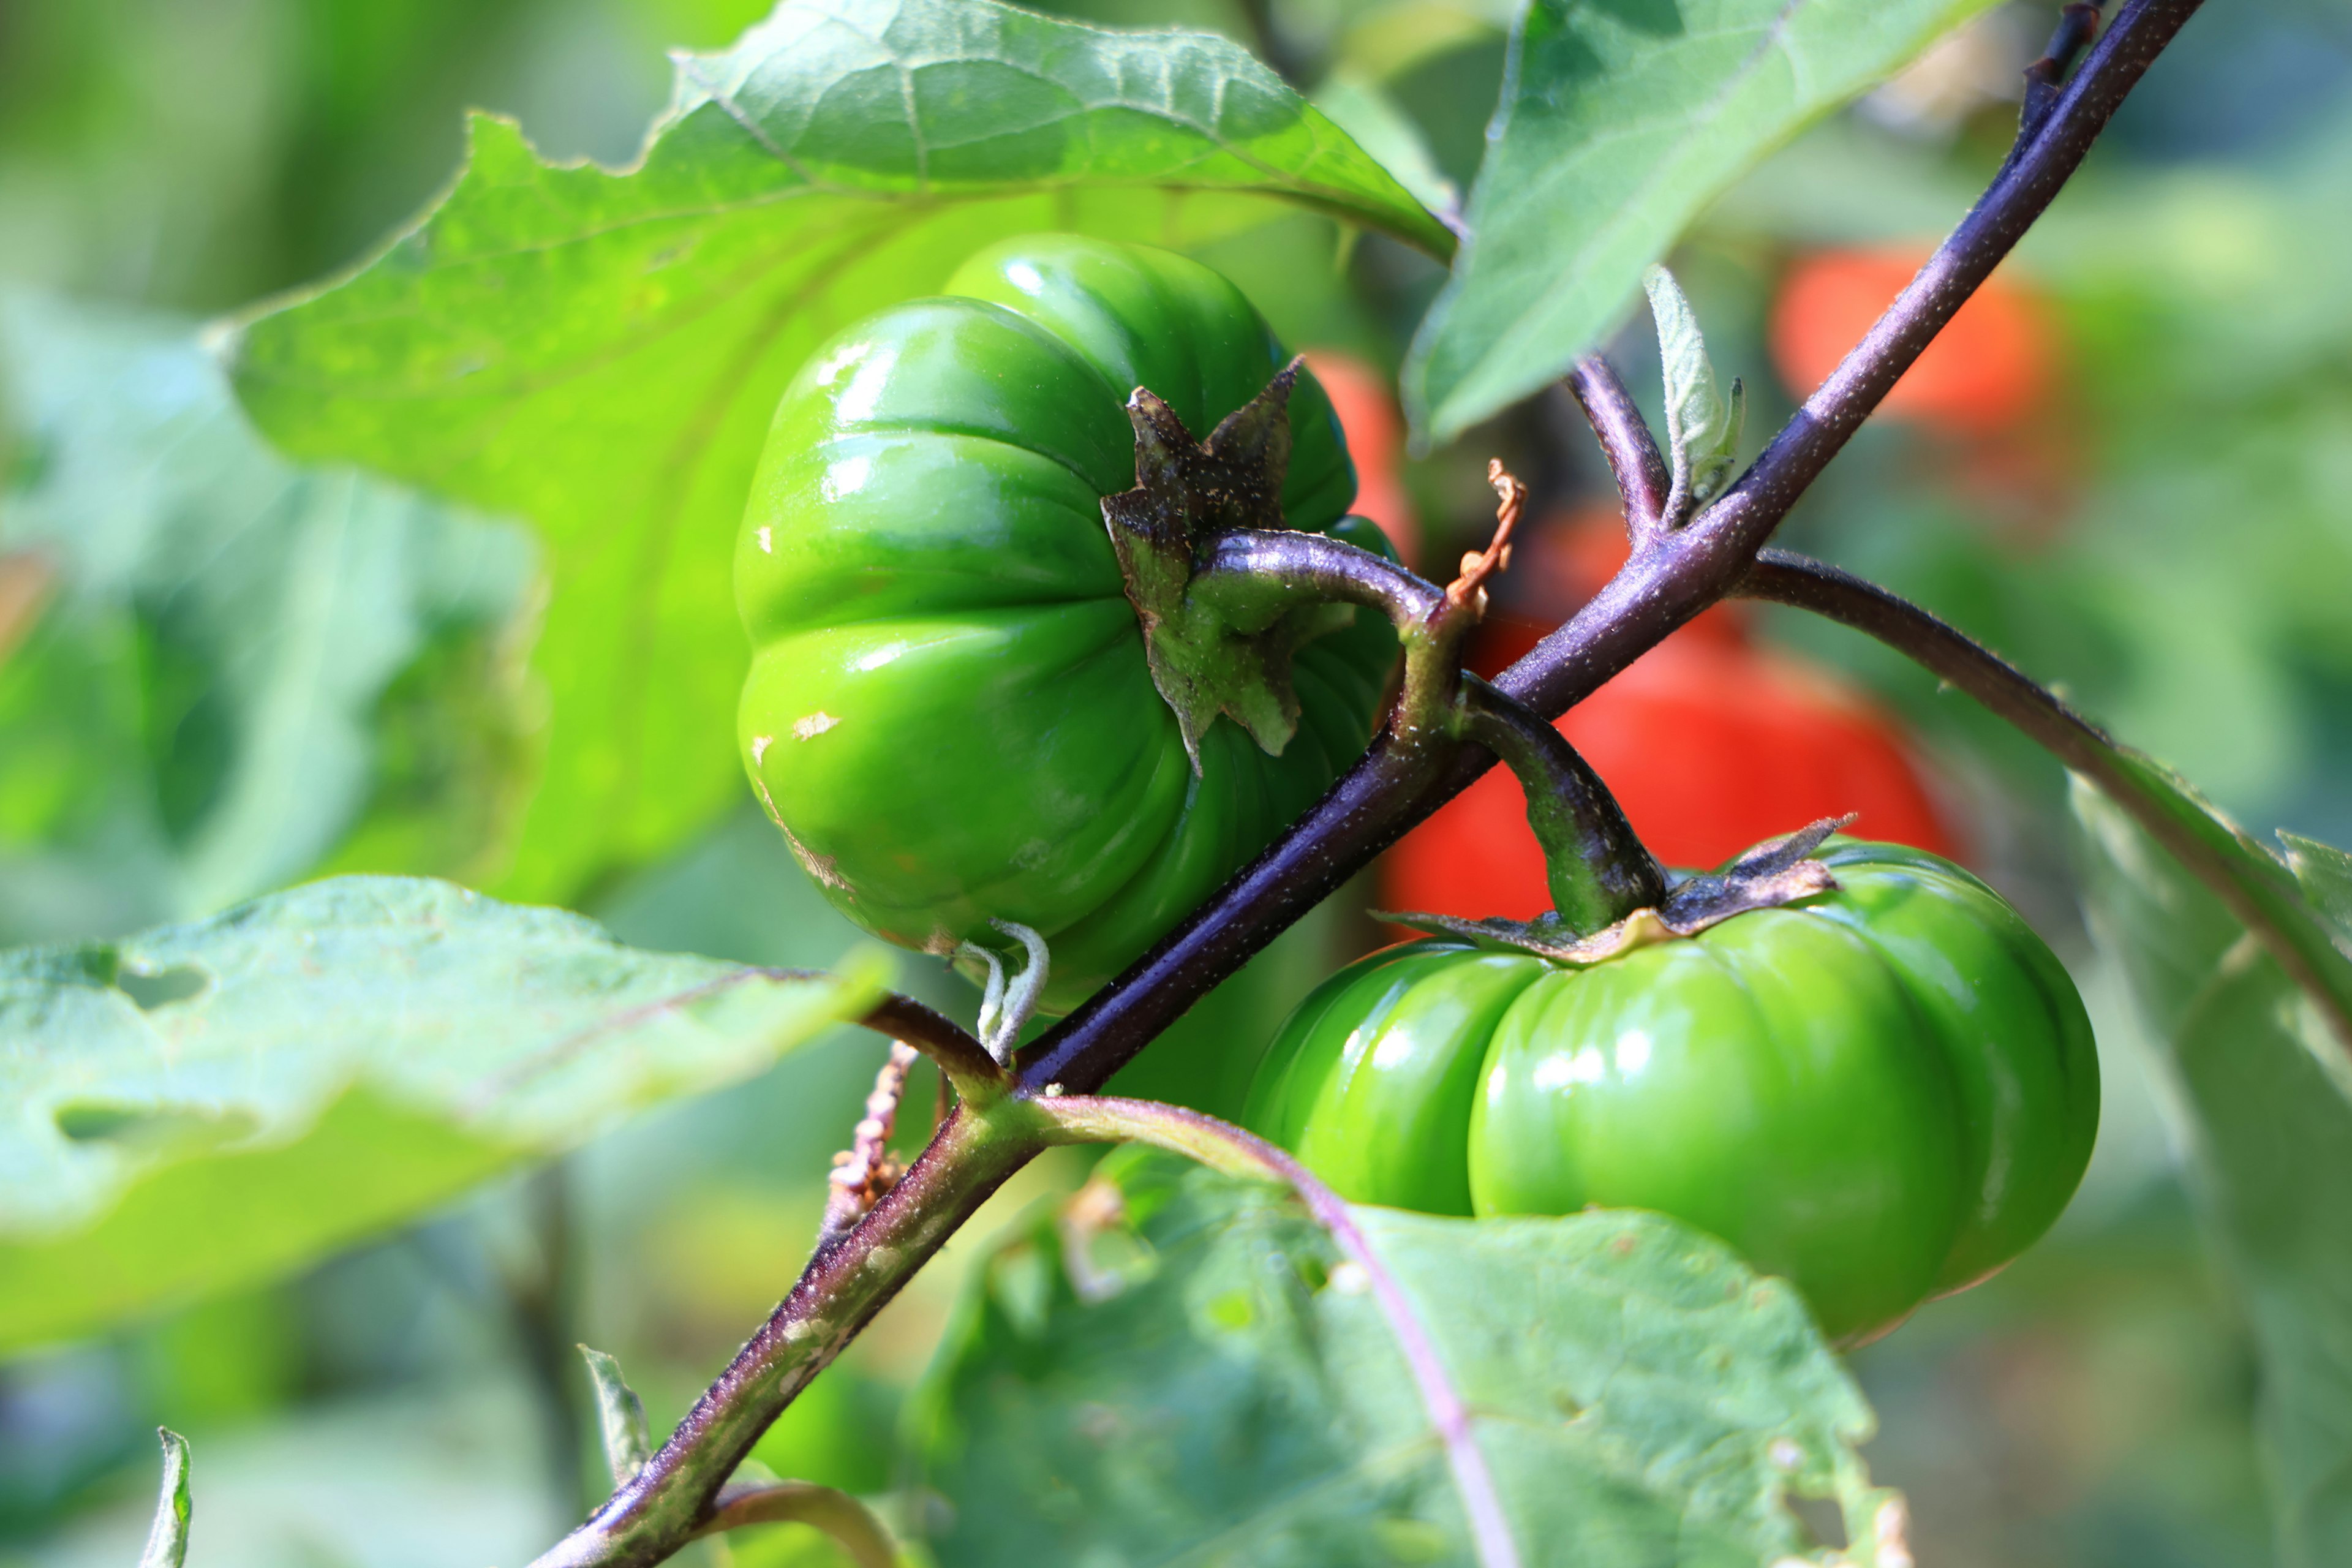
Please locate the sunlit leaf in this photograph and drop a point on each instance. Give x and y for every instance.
(2268, 1086)
(1200, 1377)
(230, 660)
(204, 1104)
(600, 351)
(1620, 120)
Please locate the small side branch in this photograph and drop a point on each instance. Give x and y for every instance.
(1600, 871)
(1082, 1119)
(835, 1513)
(962, 1060)
(1274, 570)
(1643, 481)
(1952, 653)
(2078, 23)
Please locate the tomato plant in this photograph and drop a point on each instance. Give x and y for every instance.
(1086, 668)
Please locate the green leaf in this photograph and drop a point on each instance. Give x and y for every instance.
(2262, 892)
(206, 1104)
(197, 708)
(2267, 1091)
(167, 1537)
(620, 1417)
(600, 351)
(1199, 1377)
(1357, 104)
(1620, 122)
(1702, 428)
(2325, 873)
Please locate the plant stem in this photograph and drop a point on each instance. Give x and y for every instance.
(963, 1061)
(835, 1513)
(1598, 869)
(1254, 575)
(1643, 481)
(676, 1495)
(1952, 653)
(1082, 1119)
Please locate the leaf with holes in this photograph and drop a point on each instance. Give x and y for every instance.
(2267, 1088)
(233, 665)
(206, 1104)
(1620, 120)
(600, 352)
(1179, 1365)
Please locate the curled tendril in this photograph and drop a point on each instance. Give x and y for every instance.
(1006, 1006)
(1477, 565)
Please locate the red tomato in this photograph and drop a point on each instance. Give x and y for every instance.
(1989, 369)
(1367, 407)
(1709, 743)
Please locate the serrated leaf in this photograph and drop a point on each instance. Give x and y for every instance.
(600, 351)
(1619, 124)
(1207, 1380)
(167, 1537)
(196, 711)
(209, 1103)
(2268, 1095)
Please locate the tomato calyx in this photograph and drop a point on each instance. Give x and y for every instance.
(1776, 872)
(1211, 658)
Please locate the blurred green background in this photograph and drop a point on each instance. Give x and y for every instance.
(2166, 536)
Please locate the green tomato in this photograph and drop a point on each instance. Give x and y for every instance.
(1885, 1092)
(948, 709)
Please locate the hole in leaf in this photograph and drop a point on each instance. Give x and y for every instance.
(149, 1128)
(163, 987)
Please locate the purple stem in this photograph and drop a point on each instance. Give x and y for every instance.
(1640, 469)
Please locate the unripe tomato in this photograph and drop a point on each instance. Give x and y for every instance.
(1709, 743)
(948, 709)
(1990, 367)
(1885, 1092)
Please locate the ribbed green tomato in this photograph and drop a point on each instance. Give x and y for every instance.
(1885, 1092)
(948, 709)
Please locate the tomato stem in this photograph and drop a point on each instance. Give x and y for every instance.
(1599, 869)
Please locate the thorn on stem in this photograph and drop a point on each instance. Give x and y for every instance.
(1477, 565)
(866, 1169)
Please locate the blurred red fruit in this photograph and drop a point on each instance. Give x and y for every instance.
(1367, 407)
(1708, 741)
(1991, 368)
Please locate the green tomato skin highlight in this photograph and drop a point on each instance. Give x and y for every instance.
(949, 711)
(1884, 1093)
